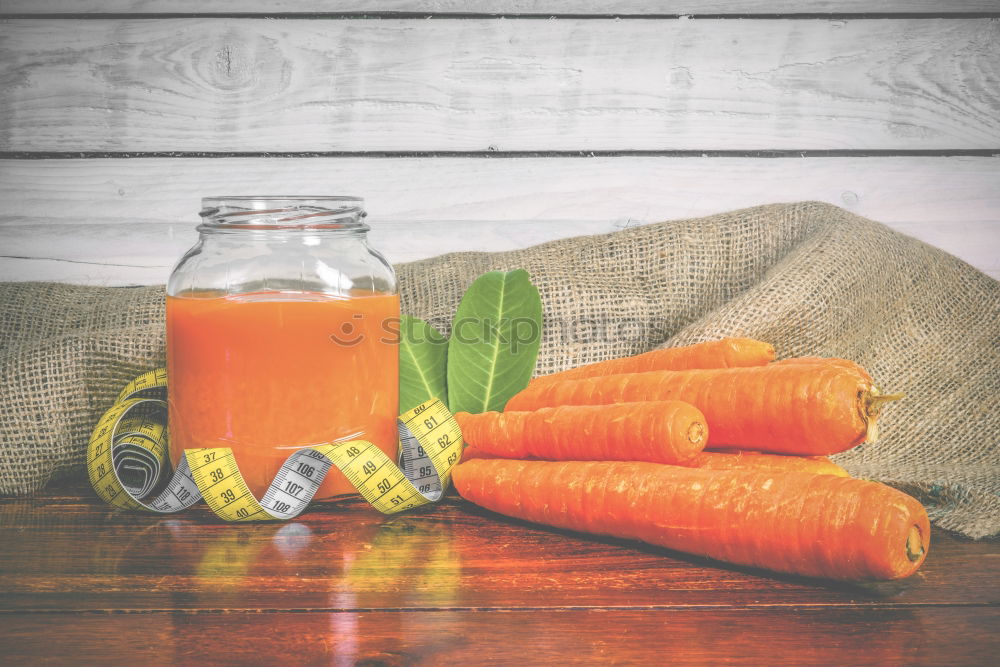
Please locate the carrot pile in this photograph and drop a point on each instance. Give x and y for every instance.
(713, 449)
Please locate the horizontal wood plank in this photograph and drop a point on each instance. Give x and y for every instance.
(925, 636)
(120, 221)
(573, 7)
(498, 85)
(101, 253)
(346, 557)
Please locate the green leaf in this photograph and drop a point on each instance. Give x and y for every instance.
(422, 359)
(494, 341)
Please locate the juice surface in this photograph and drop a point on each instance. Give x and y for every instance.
(269, 372)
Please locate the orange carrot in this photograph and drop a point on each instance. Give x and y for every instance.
(734, 460)
(725, 353)
(785, 408)
(656, 431)
(814, 525)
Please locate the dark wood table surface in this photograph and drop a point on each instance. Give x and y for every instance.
(81, 583)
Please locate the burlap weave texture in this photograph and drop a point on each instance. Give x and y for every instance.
(810, 278)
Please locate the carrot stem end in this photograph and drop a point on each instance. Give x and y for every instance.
(871, 406)
(874, 400)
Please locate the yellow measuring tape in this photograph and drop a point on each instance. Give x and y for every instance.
(128, 460)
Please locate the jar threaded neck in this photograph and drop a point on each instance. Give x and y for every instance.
(337, 213)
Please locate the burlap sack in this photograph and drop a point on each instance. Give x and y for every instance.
(810, 278)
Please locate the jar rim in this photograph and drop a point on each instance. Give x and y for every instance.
(256, 212)
(297, 199)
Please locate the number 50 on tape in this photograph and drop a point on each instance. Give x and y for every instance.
(128, 461)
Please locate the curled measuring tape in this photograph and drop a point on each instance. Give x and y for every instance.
(127, 461)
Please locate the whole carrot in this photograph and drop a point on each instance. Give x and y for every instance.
(725, 353)
(814, 525)
(809, 409)
(657, 431)
(736, 460)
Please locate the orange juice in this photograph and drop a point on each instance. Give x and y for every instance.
(267, 373)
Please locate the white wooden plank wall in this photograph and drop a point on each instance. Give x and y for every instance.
(499, 85)
(514, 7)
(486, 126)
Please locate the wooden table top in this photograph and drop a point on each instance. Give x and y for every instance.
(82, 583)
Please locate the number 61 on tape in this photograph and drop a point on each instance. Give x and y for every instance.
(127, 460)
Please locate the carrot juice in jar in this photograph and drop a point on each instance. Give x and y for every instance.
(282, 332)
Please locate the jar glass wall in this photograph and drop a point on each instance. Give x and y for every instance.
(282, 332)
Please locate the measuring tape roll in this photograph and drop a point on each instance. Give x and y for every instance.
(128, 460)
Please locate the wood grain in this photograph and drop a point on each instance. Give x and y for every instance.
(574, 7)
(116, 221)
(807, 636)
(486, 84)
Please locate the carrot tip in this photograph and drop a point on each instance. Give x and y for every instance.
(914, 545)
(696, 432)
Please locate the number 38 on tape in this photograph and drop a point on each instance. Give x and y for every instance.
(127, 461)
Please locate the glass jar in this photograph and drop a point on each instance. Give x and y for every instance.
(282, 332)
